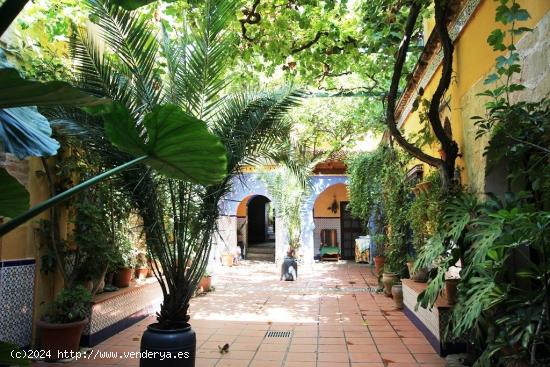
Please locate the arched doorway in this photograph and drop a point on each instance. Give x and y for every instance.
(256, 228)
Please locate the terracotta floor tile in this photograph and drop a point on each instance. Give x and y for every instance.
(365, 357)
(265, 364)
(421, 348)
(298, 364)
(332, 357)
(233, 363)
(203, 362)
(299, 348)
(301, 357)
(270, 356)
(332, 341)
(428, 358)
(398, 357)
(392, 348)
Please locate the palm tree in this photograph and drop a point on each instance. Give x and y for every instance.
(179, 218)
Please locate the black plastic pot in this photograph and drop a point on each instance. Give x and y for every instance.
(168, 348)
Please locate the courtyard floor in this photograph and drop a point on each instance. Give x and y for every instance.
(330, 317)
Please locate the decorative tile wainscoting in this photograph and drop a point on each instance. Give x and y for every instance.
(431, 323)
(324, 223)
(113, 312)
(16, 300)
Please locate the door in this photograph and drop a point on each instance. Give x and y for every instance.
(350, 229)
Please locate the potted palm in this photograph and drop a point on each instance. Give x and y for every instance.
(62, 325)
(125, 264)
(205, 283)
(141, 269)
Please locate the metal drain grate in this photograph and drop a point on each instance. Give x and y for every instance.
(277, 334)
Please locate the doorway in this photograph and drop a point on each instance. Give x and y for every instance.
(350, 230)
(260, 226)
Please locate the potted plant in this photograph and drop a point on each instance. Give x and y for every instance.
(389, 277)
(227, 256)
(397, 294)
(125, 264)
(205, 282)
(141, 266)
(451, 290)
(62, 325)
(379, 259)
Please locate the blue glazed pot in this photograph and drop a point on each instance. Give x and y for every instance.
(168, 348)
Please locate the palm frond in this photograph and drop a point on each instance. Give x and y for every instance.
(253, 126)
(132, 39)
(95, 73)
(203, 58)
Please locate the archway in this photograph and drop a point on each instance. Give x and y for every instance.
(256, 228)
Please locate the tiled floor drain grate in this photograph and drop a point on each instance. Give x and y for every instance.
(277, 334)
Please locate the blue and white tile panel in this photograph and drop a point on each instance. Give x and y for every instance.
(17, 279)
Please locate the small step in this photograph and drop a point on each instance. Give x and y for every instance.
(260, 257)
(261, 250)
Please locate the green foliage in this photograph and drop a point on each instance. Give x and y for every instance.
(16, 92)
(6, 350)
(425, 211)
(379, 195)
(365, 174)
(14, 198)
(70, 305)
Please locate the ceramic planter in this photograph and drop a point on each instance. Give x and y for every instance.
(378, 264)
(227, 259)
(420, 275)
(451, 290)
(141, 273)
(205, 284)
(388, 279)
(397, 294)
(178, 341)
(60, 339)
(123, 277)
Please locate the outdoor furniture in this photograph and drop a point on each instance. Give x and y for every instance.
(362, 250)
(331, 253)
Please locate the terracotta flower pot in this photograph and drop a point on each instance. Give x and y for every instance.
(420, 275)
(227, 259)
(397, 294)
(451, 290)
(388, 279)
(205, 284)
(378, 263)
(60, 339)
(141, 273)
(123, 277)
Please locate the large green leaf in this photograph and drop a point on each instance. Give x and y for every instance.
(18, 92)
(11, 355)
(177, 144)
(14, 198)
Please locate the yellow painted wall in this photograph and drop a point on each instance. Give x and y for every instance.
(325, 199)
(473, 60)
(242, 208)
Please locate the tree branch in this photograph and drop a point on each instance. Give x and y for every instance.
(394, 86)
(308, 44)
(447, 143)
(251, 17)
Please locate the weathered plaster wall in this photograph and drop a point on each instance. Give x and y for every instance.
(473, 60)
(534, 51)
